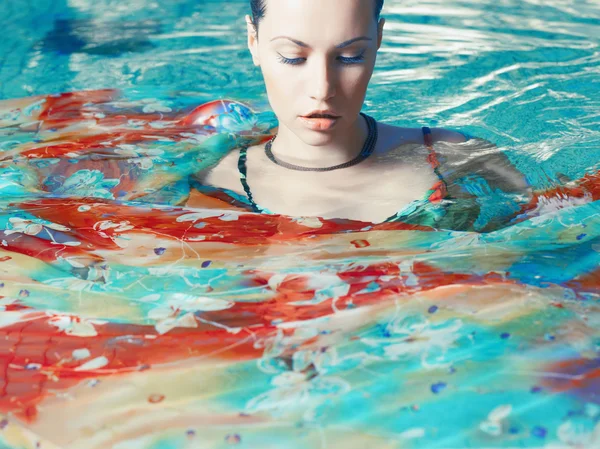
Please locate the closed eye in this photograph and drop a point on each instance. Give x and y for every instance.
(343, 59)
(294, 61)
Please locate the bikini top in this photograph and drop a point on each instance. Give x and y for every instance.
(468, 196)
(435, 194)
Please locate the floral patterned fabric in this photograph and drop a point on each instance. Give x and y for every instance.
(128, 320)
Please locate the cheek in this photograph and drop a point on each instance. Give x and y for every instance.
(274, 79)
(354, 83)
(282, 86)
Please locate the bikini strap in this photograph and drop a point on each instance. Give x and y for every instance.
(243, 172)
(432, 157)
(427, 137)
(440, 189)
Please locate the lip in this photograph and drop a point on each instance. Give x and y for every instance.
(321, 112)
(319, 124)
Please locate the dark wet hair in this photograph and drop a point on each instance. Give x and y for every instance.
(259, 9)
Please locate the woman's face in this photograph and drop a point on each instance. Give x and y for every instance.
(316, 55)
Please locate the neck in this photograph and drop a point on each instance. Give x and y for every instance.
(341, 147)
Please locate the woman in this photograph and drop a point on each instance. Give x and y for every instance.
(327, 158)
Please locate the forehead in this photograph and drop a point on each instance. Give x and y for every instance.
(318, 20)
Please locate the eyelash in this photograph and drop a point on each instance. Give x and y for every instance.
(296, 61)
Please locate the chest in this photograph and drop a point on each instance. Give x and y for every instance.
(377, 189)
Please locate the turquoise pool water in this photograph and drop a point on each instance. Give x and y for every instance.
(522, 74)
(129, 321)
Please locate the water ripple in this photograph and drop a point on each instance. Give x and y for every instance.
(521, 73)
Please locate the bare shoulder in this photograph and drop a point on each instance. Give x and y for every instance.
(477, 155)
(224, 175)
(392, 137)
(447, 135)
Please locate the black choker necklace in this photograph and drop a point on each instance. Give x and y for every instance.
(366, 151)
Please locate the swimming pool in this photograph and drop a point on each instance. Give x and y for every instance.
(130, 322)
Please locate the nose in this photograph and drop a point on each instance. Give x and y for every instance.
(322, 82)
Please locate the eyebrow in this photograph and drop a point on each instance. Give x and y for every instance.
(342, 45)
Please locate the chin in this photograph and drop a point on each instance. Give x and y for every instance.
(316, 138)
